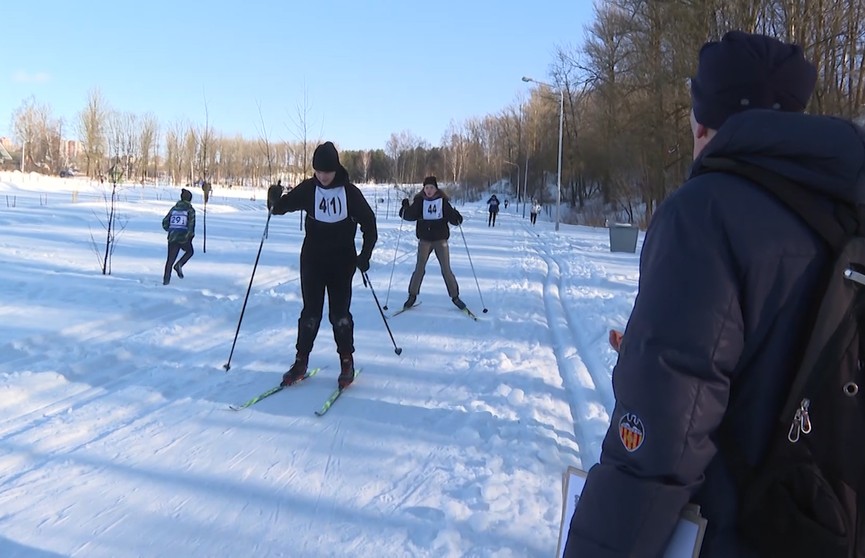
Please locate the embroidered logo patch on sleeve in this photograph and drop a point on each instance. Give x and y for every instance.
(631, 431)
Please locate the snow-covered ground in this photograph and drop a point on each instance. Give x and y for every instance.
(116, 439)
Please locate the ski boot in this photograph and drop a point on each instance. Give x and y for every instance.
(346, 370)
(296, 372)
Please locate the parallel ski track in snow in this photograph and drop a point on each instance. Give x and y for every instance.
(580, 370)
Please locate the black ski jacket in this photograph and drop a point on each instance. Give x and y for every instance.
(330, 227)
(432, 223)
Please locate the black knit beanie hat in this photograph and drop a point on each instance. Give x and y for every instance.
(745, 71)
(325, 158)
(431, 180)
(185, 195)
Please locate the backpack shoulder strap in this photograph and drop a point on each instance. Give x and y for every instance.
(835, 223)
(835, 227)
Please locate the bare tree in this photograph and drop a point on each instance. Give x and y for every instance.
(148, 147)
(205, 151)
(205, 147)
(118, 138)
(91, 127)
(40, 135)
(190, 152)
(266, 148)
(366, 159)
(128, 142)
(403, 148)
(302, 155)
(175, 154)
(457, 145)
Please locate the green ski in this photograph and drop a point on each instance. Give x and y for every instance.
(334, 396)
(271, 391)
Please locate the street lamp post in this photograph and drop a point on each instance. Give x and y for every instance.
(525, 184)
(517, 191)
(561, 129)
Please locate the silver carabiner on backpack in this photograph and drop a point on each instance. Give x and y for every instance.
(853, 275)
(801, 422)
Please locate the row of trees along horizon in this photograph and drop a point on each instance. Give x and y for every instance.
(626, 138)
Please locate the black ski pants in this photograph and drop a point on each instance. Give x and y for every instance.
(332, 274)
(174, 249)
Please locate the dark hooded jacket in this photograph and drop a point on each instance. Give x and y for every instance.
(179, 222)
(728, 277)
(326, 238)
(431, 226)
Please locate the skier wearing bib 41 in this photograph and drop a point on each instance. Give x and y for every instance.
(334, 208)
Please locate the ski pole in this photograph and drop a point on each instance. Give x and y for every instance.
(393, 266)
(227, 365)
(473, 268)
(368, 283)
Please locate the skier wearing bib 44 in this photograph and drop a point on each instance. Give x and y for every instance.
(433, 211)
(334, 208)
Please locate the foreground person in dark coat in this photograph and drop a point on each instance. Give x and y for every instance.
(334, 208)
(727, 279)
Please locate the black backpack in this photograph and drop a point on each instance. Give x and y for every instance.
(806, 499)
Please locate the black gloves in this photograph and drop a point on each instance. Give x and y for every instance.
(405, 203)
(363, 262)
(273, 195)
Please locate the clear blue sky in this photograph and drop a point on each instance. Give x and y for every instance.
(369, 68)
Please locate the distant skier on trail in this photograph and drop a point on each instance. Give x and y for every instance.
(533, 214)
(179, 222)
(432, 211)
(334, 207)
(493, 202)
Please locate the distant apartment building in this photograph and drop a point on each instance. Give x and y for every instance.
(6, 146)
(71, 149)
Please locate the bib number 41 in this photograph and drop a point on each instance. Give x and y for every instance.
(330, 205)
